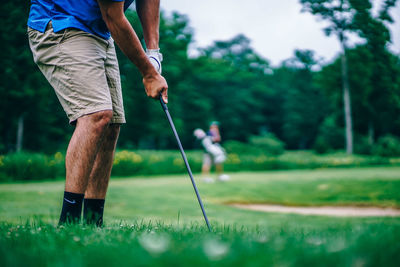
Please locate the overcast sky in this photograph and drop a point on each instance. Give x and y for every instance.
(275, 27)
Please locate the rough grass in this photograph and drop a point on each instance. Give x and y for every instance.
(162, 245)
(157, 222)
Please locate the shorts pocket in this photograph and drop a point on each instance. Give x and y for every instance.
(32, 33)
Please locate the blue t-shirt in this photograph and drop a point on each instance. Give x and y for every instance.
(81, 14)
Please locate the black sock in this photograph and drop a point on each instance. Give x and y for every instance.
(72, 208)
(93, 211)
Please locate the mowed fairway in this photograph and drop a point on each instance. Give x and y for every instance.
(157, 221)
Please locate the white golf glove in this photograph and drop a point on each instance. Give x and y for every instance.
(155, 58)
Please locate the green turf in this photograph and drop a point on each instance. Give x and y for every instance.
(157, 221)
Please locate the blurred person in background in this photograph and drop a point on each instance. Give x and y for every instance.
(214, 132)
(213, 153)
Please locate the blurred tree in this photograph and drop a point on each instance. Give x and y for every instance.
(228, 82)
(363, 84)
(29, 112)
(340, 15)
(373, 75)
(305, 105)
(383, 73)
(238, 52)
(233, 77)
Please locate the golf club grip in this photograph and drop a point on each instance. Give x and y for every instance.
(165, 108)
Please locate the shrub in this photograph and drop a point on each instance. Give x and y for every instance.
(150, 162)
(330, 137)
(240, 148)
(387, 146)
(362, 145)
(269, 143)
(127, 163)
(321, 145)
(258, 145)
(27, 166)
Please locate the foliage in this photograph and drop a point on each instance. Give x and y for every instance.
(363, 146)
(269, 144)
(127, 163)
(24, 92)
(262, 145)
(376, 72)
(305, 104)
(330, 136)
(387, 146)
(299, 101)
(240, 148)
(266, 155)
(28, 166)
(339, 13)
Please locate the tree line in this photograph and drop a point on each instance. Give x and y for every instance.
(302, 102)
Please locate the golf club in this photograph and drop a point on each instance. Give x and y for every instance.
(165, 108)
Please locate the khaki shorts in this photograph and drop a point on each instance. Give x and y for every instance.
(209, 159)
(83, 70)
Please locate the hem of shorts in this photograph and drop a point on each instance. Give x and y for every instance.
(118, 120)
(88, 111)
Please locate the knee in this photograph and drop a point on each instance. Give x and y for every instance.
(100, 120)
(103, 117)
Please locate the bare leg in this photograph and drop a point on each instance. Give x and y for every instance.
(81, 153)
(83, 148)
(220, 172)
(205, 169)
(100, 174)
(219, 168)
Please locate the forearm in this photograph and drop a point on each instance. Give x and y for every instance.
(127, 40)
(149, 15)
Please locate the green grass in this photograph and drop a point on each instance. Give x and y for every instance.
(157, 221)
(161, 245)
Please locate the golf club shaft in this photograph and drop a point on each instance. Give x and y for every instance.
(165, 108)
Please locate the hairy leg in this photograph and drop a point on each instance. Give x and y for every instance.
(83, 148)
(100, 174)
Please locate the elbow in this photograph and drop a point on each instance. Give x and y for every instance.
(111, 12)
(112, 19)
(109, 20)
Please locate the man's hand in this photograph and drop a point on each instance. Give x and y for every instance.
(156, 85)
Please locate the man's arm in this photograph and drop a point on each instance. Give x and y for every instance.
(149, 15)
(126, 38)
